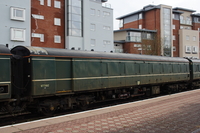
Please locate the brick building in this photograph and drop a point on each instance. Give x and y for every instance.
(177, 29)
(72, 24)
(48, 23)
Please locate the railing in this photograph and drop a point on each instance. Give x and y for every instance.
(119, 50)
(107, 5)
(133, 38)
(188, 22)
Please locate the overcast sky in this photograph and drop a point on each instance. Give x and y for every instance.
(122, 7)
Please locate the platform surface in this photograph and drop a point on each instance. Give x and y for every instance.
(177, 113)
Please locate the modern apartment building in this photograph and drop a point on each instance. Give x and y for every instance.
(89, 25)
(15, 22)
(71, 24)
(48, 23)
(175, 29)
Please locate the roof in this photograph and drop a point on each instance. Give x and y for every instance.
(119, 41)
(132, 29)
(184, 9)
(33, 51)
(145, 8)
(178, 12)
(4, 49)
(197, 14)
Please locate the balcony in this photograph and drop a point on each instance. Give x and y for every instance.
(133, 39)
(107, 5)
(186, 22)
(119, 50)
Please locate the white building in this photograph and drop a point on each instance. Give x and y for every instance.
(89, 25)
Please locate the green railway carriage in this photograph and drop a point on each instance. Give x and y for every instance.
(195, 72)
(60, 77)
(5, 78)
(54, 71)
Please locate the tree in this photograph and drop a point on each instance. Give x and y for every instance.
(152, 46)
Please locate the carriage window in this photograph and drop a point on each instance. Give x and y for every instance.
(137, 69)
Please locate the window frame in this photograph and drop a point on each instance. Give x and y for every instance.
(13, 36)
(92, 12)
(13, 15)
(188, 49)
(93, 42)
(194, 38)
(57, 21)
(57, 37)
(187, 37)
(38, 35)
(92, 27)
(194, 49)
(49, 3)
(57, 2)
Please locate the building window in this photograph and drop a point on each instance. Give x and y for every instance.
(174, 48)
(194, 49)
(106, 42)
(37, 35)
(75, 18)
(173, 16)
(92, 42)
(57, 21)
(98, 13)
(57, 39)
(92, 11)
(199, 29)
(121, 23)
(174, 26)
(140, 26)
(57, 4)
(41, 2)
(167, 32)
(106, 27)
(17, 34)
(134, 37)
(137, 45)
(174, 37)
(194, 38)
(37, 16)
(187, 37)
(17, 13)
(148, 36)
(181, 27)
(106, 14)
(181, 17)
(140, 16)
(92, 27)
(148, 47)
(48, 2)
(187, 49)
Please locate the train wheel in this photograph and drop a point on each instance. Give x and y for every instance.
(47, 110)
(83, 105)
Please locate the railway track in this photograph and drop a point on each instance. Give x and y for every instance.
(28, 116)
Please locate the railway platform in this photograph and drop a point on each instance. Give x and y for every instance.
(176, 113)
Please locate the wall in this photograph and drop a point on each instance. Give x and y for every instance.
(176, 34)
(191, 43)
(120, 35)
(99, 34)
(7, 23)
(46, 26)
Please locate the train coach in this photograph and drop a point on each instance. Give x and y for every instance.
(5, 71)
(46, 79)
